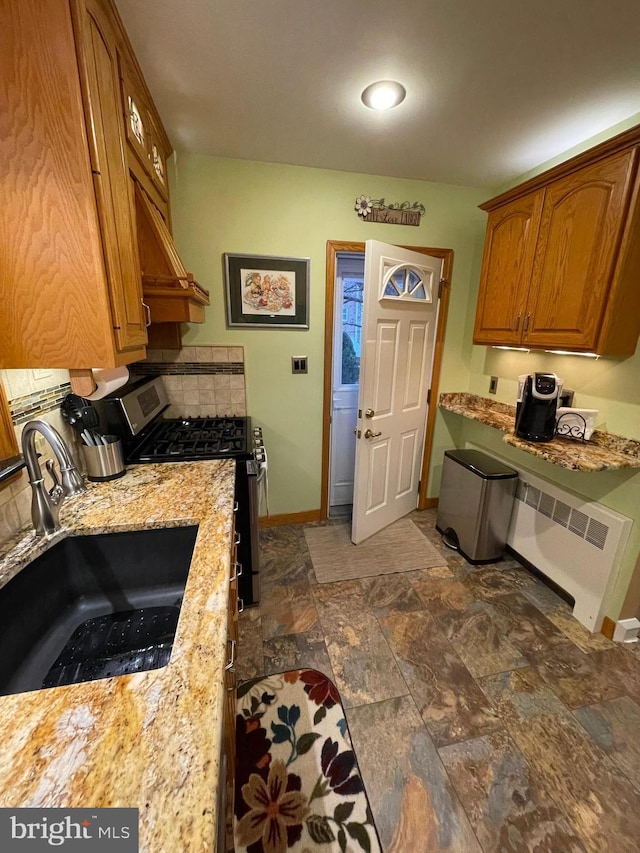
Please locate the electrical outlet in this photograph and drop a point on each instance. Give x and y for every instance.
(493, 385)
(299, 364)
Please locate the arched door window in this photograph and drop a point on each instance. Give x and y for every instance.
(408, 284)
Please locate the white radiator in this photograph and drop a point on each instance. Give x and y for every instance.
(574, 542)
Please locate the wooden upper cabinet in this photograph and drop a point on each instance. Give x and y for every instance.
(56, 309)
(578, 242)
(70, 264)
(509, 248)
(114, 192)
(562, 256)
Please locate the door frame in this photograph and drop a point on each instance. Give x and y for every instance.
(335, 247)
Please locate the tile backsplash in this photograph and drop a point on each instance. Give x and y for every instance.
(200, 381)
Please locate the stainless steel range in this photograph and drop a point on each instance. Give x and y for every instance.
(134, 413)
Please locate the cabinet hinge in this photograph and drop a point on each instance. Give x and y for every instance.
(429, 397)
(419, 484)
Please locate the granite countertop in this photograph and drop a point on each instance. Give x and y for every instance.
(603, 452)
(149, 740)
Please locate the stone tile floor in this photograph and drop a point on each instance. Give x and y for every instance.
(484, 717)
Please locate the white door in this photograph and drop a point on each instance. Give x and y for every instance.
(346, 366)
(399, 321)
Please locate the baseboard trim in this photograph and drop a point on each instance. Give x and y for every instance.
(289, 518)
(608, 628)
(430, 503)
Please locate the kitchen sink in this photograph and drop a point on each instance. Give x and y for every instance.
(94, 607)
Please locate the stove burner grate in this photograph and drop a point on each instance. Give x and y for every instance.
(196, 438)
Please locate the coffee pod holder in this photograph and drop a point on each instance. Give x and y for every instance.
(105, 461)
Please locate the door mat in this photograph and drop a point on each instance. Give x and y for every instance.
(297, 787)
(401, 547)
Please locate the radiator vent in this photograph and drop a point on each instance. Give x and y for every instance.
(578, 522)
(533, 496)
(546, 504)
(597, 533)
(561, 513)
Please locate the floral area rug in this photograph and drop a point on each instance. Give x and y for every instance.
(297, 782)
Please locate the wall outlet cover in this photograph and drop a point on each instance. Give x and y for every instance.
(493, 385)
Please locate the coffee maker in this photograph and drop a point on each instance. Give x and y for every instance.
(538, 395)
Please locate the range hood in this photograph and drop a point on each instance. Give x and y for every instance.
(168, 289)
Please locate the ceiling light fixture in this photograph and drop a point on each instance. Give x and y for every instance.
(383, 95)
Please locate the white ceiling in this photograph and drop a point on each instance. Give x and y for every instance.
(494, 87)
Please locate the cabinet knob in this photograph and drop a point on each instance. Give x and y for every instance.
(516, 323)
(147, 311)
(525, 325)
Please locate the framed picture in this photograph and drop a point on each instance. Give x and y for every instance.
(267, 291)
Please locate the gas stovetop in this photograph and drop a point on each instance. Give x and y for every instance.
(192, 439)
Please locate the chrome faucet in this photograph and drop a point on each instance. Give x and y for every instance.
(45, 505)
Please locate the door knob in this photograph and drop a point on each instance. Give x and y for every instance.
(369, 413)
(371, 434)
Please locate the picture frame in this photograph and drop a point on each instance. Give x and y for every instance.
(267, 291)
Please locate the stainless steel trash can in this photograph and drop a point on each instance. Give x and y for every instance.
(474, 508)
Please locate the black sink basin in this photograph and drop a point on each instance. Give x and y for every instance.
(94, 607)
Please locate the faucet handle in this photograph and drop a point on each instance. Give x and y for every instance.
(56, 493)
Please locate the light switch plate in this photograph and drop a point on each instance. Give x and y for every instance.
(493, 385)
(299, 364)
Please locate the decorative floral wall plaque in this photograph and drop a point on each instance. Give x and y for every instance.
(398, 213)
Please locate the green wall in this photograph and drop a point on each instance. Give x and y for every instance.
(222, 205)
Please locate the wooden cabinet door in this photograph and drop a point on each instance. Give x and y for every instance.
(114, 192)
(54, 309)
(506, 270)
(580, 231)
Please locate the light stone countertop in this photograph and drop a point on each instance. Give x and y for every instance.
(604, 451)
(149, 740)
